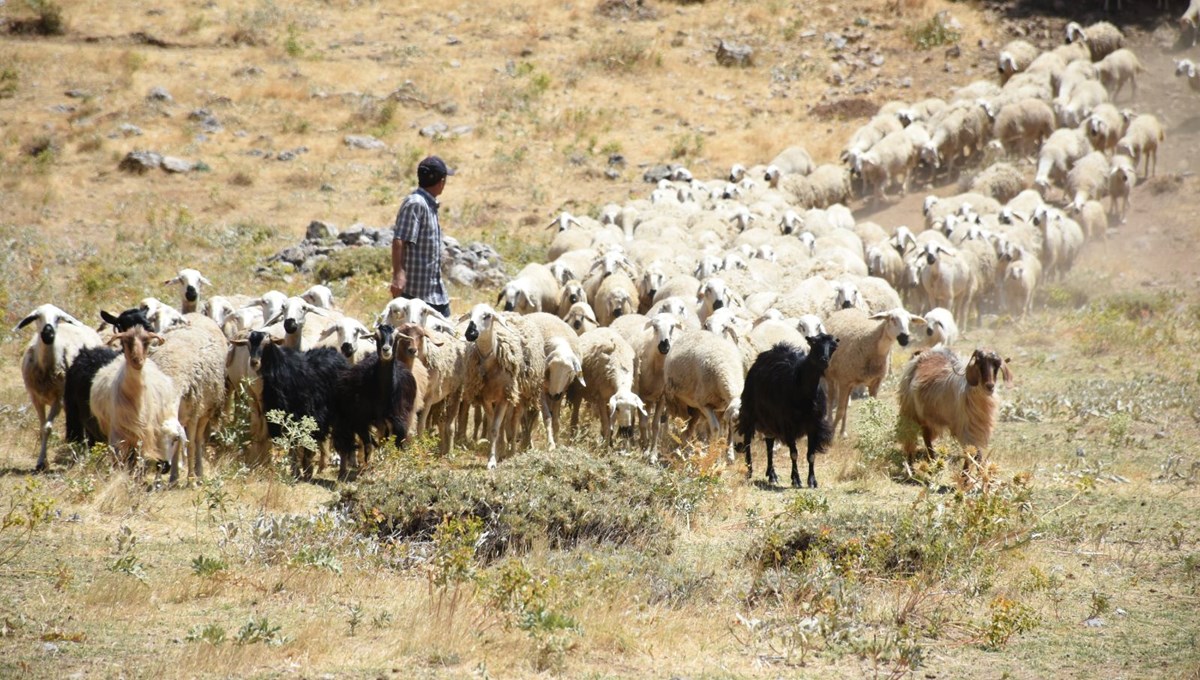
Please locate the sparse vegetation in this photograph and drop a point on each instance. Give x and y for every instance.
(1073, 553)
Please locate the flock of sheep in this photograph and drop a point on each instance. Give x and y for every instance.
(661, 307)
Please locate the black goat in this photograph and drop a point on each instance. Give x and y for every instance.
(378, 391)
(784, 398)
(77, 395)
(299, 384)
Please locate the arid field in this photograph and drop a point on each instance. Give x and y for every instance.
(1073, 553)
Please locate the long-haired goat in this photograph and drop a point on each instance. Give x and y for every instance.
(378, 391)
(297, 383)
(939, 394)
(784, 398)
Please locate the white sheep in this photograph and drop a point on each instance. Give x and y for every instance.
(1105, 125)
(616, 295)
(1116, 69)
(938, 394)
(350, 337)
(318, 295)
(948, 279)
(865, 343)
(1141, 140)
(445, 358)
(1022, 126)
(940, 328)
(1088, 178)
(890, 160)
(45, 362)
(651, 347)
(136, 405)
(193, 357)
(535, 289)
(563, 367)
(1122, 178)
(299, 333)
(1078, 104)
(512, 358)
(793, 160)
(1000, 181)
(920, 112)
(714, 294)
(400, 311)
(1058, 155)
(1101, 38)
(1019, 282)
(190, 281)
(1015, 57)
(1092, 219)
(581, 317)
(162, 317)
(703, 373)
(608, 369)
(1185, 68)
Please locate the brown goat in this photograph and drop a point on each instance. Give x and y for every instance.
(939, 394)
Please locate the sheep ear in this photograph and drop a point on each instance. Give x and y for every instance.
(273, 319)
(315, 310)
(879, 315)
(28, 320)
(524, 294)
(500, 297)
(327, 332)
(170, 281)
(917, 320)
(156, 339)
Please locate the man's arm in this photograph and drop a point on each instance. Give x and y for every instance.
(399, 277)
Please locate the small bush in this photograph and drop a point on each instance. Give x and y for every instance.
(9, 81)
(623, 54)
(564, 497)
(348, 262)
(208, 566)
(49, 19)
(260, 630)
(211, 633)
(933, 33)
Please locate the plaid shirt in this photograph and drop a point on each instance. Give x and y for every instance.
(417, 225)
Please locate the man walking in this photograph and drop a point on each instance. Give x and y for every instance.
(417, 241)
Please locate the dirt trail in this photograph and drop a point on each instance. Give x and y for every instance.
(1155, 247)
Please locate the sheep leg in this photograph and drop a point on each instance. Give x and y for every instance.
(496, 425)
(450, 422)
(771, 476)
(606, 426)
(549, 419)
(842, 407)
(811, 454)
(45, 433)
(927, 435)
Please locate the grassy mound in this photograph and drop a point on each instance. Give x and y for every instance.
(561, 498)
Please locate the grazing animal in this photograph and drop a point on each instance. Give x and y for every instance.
(45, 362)
(939, 394)
(378, 392)
(784, 398)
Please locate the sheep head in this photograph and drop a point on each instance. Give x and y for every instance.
(820, 348)
(621, 408)
(319, 296)
(983, 369)
(897, 323)
(847, 295)
(664, 325)
(191, 280)
(482, 318)
(49, 316)
(516, 298)
(562, 368)
(652, 279)
(579, 316)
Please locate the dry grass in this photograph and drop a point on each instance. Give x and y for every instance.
(542, 85)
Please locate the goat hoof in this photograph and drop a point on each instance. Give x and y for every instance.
(773, 480)
(796, 483)
(812, 483)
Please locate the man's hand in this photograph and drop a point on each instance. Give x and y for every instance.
(398, 281)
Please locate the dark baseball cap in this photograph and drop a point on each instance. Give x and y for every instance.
(431, 171)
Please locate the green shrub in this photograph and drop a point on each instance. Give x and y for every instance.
(348, 262)
(565, 498)
(933, 33)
